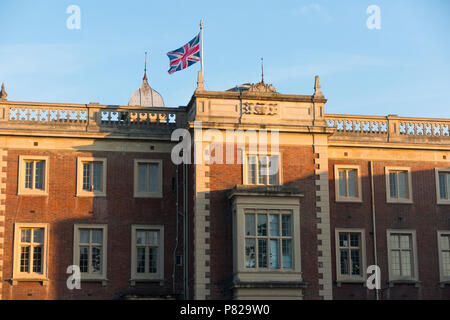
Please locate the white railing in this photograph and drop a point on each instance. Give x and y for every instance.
(375, 126)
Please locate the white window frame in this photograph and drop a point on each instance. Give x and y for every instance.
(408, 200)
(256, 154)
(21, 190)
(351, 278)
(415, 267)
(269, 237)
(358, 187)
(438, 193)
(443, 279)
(140, 194)
(158, 276)
(94, 193)
(76, 251)
(241, 205)
(30, 276)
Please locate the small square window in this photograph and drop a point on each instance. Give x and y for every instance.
(147, 178)
(33, 175)
(398, 185)
(443, 186)
(347, 183)
(262, 170)
(91, 177)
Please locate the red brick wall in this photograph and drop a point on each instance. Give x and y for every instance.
(298, 170)
(62, 209)
(424, 216)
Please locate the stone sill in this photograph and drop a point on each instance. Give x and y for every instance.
(43, 282)
(134, 281)
(104, 282)
(350, 281)
(416, 283)
(271, 284)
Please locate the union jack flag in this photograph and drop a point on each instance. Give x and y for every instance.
(185, 56)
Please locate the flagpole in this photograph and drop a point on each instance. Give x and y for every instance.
(201, 43)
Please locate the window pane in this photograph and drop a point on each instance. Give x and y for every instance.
(140, 237)
(251, 170)
(87, 176)
(446, 263)
(395, 264)
(356, 263)
(343, 240)
(249, 224)
(39, 175)
(447, 185)
(25, 235)
(443, 185)
(405, 242)
(84, 236)
(97, 176)
(393, 184)
(140, 266)
(84, 257)
(25, 259)
(287, 254)
(395, 244)
(153, 180)
(274, 225)
(274, 254)
(262, 225)
(96, 259)
(445, 242)
(153, 260)
(250, 250)
(262, 176)
(402, 185)
(262, 253)
(342, 184)
(142, 179)
(97, 236)
(286, 226)
(153, 238)
(38, 235)
(354, 239)
(273, 170)
(344, 262)
(37, 259)
(352, 183)
(406, 263)
(29, 175)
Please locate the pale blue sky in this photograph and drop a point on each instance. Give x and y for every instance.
(403, 69)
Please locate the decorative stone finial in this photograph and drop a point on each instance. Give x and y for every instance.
(200, 83)
(145, 69)
(317, 92)
(3, 93)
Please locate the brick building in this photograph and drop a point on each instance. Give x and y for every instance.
(98, 187)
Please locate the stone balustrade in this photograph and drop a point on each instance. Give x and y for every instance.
(91, 117)
(390, 128)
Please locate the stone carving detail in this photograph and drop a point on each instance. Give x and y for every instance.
(261, 87)
(268, 109)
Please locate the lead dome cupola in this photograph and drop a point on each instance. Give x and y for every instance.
(146, 96)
